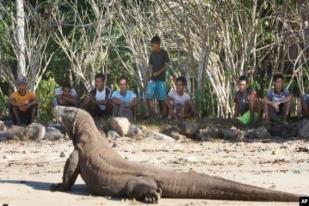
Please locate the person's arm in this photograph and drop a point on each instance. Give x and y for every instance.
(252, 103)
(286, 99)
(157, 73)
(116, 100)
(236, 113)
(71, 99)
(33, 102)
(12, 101)
(133, 103)
(166, 60)
(192, 107)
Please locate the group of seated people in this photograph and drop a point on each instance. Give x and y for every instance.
(102, 101)
(275, 106)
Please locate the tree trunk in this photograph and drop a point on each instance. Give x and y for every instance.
(20, 38)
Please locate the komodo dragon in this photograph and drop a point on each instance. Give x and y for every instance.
(107, 174)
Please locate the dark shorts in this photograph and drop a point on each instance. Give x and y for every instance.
(274, 115)
(24, 116)
(306, 99)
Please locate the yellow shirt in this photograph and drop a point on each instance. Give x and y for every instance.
(23, 99)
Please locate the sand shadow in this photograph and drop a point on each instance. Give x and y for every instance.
(77, 189)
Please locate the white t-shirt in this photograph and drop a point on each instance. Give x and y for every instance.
(179, 100)
(100, 96)
(59, 91)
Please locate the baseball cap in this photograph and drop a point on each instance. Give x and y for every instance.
(22, 79)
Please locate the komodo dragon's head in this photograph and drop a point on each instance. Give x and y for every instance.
(67, 117)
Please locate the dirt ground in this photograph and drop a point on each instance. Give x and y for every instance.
(28, 168)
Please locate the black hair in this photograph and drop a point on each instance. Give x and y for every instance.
(155, 40)
(123, 78)
(100, 76)
(277, 76)
(182, 79)
(243, 78)
(66, 85)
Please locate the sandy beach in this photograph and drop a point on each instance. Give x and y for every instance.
(27, 168)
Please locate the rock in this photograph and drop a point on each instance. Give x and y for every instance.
(259, 133)
(3, 136)
(289, 130)
(15, 132)
(189, 159)
(283, 130)
(303, 129)
(160, 136)
(63, 154)
(135, 132)
(121, 125)
(6, 156)
(143, 128)
(113, 134)
(208, 132)
(53, 134)
(229, 134)
(2, 126)
(35, 131)
(176, 135)
(301, 149)
(189, 129)
(57, 126)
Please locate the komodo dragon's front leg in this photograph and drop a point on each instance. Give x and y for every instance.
(143, 189)
(70, 173)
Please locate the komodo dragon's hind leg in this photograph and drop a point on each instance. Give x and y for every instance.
(143, 189)
(70, 173)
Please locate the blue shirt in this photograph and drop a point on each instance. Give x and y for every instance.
(127, 98)
(306, 98)
(277, 97)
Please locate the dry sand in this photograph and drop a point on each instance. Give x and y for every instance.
(28, 168)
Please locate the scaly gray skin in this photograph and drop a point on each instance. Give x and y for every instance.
(107, 174)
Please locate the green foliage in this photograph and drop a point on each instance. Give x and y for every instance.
(46, 95)
(3, 103)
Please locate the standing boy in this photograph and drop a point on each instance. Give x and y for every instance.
(156, 88)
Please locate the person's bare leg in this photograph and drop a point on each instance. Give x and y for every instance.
(266, 112)
(304, 108)
(33, 113)
(167, 110)
(286, 110)
(115, 110)
(253, 108)
(150, 107)
(189, 110)
(161, 106)
(16, 114)
(133, 111)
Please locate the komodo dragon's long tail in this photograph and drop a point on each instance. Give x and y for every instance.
(194, 185)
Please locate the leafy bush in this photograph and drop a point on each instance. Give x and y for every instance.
(46, 95)
(3, 103)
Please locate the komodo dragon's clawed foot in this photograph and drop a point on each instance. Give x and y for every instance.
(143, 189)
(152, 197)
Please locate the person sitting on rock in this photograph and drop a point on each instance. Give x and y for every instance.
(124, 101)
(23, 103)
(246, 102)
(97, 102)
(277, 103)
(66, 96)
(178, 103)
(305, 105)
